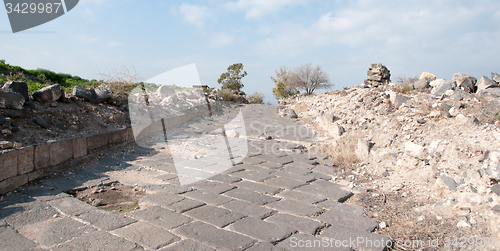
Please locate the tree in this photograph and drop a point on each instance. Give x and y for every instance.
(283, 88)
(232, 78)
(308, 78)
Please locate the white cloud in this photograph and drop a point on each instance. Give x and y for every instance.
(258, 8)
(222, 39)
(195, 15)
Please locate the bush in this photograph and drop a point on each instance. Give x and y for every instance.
(226, 95)
(257, 98)
(3, 79)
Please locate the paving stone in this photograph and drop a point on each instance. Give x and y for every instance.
(301, 241)
(284, 159)
(249, 209)
(105, 220)
(185, 205)
(327, 189)
(250, 196)
(208, 197)
(71, 206)
(270, 165)
(295, 207)
(258, 187)
(367, 241)
(215, 215)
(261, 230)
(98, 241)
(348, 219)
(284, 182)
(146, 235)
(175, 189)
(12, 240)
(321, 176)
(61, 184)
(304, 178)
(224, 178)
(214, 187)
(252, 160)
(333, 205)
(12, 183)
(265, 246)
(187, 245)
(51, 233)
(299, 196)
(253, 175)
(166, 177)
(255, 168)
(318, 155)
(160, 199)
(323, 169)
(303, 225)
(296, 170)
(161, 217)
(214, 237)
(19, 215)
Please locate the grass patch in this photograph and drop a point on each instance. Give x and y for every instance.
(342, 151)
(257, 98)
(226, 95)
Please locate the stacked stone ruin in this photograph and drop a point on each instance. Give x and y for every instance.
(378, 74)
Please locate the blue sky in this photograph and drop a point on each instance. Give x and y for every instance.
(344, 37)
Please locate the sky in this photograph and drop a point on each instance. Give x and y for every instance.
(343, 37)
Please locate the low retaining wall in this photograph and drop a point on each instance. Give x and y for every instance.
(21, 166)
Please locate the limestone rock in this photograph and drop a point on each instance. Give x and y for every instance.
(465, 82)
(441, 86)
(397, 99)
(421, 84)
(49, 94)
(427, 75)
(18, 87)
(486, 83)
(495, 77)
(415, 150)
(363, 149)
(11, 100)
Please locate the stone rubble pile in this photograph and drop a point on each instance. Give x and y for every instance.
(378, 74)
(442, 139)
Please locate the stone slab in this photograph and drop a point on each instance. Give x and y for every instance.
(160, 199)
(295, 207)
(285, 182)
(261, 230)
(147, 235)
(327, 189)
(208, 197)
(216, 216)
(301, 224)
(161, 217)
(214, 237)
(333, 205)
(302, 197)
(253, 175)
(185, 205)
(249, 209)
(30, 212)
(79, 147)
(98, 240)
(96, 141)
(367, 241)
(12, 183)
(71, 206)
(224, 178)
(116, 137)
(8, 164)
(187, 245)
(258, 187)
(42, 156)
(43, 193)
(212, 186)
(105, 220)
(60, 151)
(25, 160)
(346, 219)
(12, 240)
(250, 196)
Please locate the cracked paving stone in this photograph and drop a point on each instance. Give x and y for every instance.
(146, 235)
(327, 189)
(249, 209)
(160, 199)
(12, 240)
(295, 207)
(215, 215)
(284, 182)
(347, 219)
(185, 205)
(161, 217)
(303, 225)
(261, 230)
(299, 196)
(71, 206)
(105, 220)
(212, 186)
(208, 197)
(258, 187)
(252, 175)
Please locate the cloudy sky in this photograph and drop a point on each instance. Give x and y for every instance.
(344, 37)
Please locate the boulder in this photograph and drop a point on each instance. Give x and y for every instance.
(495, 77)
(363, 149)
(19, 87)
(492, 91)
(465, 82)
(49, 94)
(397, 99)
(87, 94)
(485, 83)
(427, 75)
(11, 100)
(288, 113)
(421, 84)
(441, 86)
(103, 93)
(165, 91)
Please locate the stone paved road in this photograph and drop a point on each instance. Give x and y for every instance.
(275, 198)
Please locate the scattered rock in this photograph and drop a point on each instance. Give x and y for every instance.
(6, 144)
(96, 202)
(11, 100)
(397, 99)
(473, 121)
(421, 121)
(429, 76)
(496, 189)
(88, 94)
(18, 87)
(486, 83)
(103, 93)
(415, 150)
(382, 225)
(378, 74)
(288, 113)
(449, 182)
(463, 223)
(496, 208)
(49, 94)
(421, 84)
(363, 149)
(42, 123)
(440, 87)
(495, 77)
(465, 82)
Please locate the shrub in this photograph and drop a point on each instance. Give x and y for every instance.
(3, 79)
(226, 95)
(257, 98)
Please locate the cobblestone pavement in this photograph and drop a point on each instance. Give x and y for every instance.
(275, 198)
